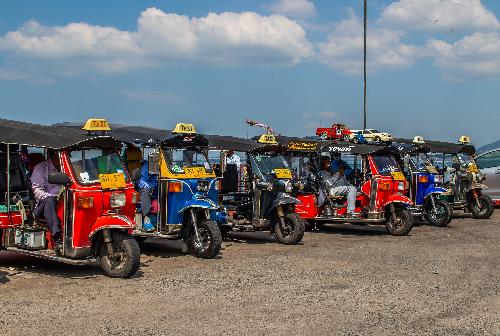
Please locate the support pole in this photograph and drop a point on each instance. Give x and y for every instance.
(364, 66)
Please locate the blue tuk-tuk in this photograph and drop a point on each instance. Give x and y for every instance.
(184, 197)
(426, 184)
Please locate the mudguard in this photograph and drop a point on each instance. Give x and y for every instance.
(434, 190)
(283, 199)
(111, 222)
(199, 203)
(395, 198)
(478, 186)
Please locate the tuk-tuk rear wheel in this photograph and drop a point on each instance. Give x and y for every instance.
(126, 257)
(211, 240)
(293, 231)
(486, 209)
(402, 224)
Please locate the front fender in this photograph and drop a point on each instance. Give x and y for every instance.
(395, 198)
(199, 203)
(434, 190)
(283, 199)
(111, 222)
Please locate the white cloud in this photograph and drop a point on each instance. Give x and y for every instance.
(161, 39)
(294, 8)
(439, 15)
(474, 56)
(343, 49)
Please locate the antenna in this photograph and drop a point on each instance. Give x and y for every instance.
(364, 67)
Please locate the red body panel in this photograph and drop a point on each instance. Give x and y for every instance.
(6, 221)
(337, 131)
(307, 208)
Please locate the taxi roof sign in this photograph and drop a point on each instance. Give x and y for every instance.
(96, 125)
(268, 139)
(418, 139)
(464, 140)
(181, 128)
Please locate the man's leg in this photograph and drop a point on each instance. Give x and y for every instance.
(145, 201)
(49, 205)
(348, 191)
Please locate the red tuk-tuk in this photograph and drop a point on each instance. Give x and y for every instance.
(373, 170)
(96, 204)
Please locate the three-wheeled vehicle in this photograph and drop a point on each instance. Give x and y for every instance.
(265, 200)
(426, 184)
(464, 188)
(96, 204)
(377, 176)
(187, 191)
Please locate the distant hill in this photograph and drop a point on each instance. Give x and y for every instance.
(493, 145)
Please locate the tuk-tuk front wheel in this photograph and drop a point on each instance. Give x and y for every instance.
(210, 242)
(399, 222)
(125, 259)
(481, 207)
(291, 231)
(439, 214)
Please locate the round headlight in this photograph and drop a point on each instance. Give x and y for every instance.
(288, 186)
(117, 200)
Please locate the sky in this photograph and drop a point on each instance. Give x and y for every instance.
(433, 65)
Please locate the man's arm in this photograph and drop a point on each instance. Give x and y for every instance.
(39, 182)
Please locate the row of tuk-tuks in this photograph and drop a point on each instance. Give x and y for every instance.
(209, 185)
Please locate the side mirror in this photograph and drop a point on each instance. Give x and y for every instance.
(153, 167)
(60, 179)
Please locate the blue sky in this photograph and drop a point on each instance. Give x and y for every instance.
(434, 65)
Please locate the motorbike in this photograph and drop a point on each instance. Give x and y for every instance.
(377, 176)
(265, 201)
(96, 204)
(426, 184)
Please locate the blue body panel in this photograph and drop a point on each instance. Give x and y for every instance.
(189, 197)
(425, 189)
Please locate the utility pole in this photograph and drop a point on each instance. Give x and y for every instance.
(364, 67)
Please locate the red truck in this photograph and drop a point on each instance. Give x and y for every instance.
(337, 131)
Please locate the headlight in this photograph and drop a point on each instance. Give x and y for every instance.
(438, 178)
(117, 200)
(401, 186)
(202, 185)
(288, 186)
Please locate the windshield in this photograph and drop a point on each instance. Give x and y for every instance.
(422, 162)
(267, 163)
(88, 164)
(180, 158)
(386, 164)
(374, 131)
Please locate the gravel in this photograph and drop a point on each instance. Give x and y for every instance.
(343, 280)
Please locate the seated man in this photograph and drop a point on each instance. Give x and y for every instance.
(46, 195)
(337, 185)
(148, 187)
(338, 162)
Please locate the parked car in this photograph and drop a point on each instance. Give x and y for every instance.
(372, 135)
(489, 165)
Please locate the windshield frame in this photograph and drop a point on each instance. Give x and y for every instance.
(197, 150)
(259, 163)
(78, 177)
(390, 158)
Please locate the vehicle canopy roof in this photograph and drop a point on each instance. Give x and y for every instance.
(55, 137)
(442, 146)
(305, 145)
(410, 148)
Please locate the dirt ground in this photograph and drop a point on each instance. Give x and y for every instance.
(343, 280)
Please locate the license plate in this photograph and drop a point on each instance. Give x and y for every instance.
(195, 172)
(283, 173)
(112, 181)
(398, 176)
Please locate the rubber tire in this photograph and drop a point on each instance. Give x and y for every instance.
(215, 240)
(323, 136)
(355, 140)
(377, 139)
(297, 232)
(443, 221)
(406, 216)
(131, 249)
(486, 200)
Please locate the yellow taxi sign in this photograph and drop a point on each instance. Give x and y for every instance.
(464, 140)
(112, 181)
(283, 173)
(268, 139)
(96, 125)
(418, 139)
(398, 176)
(184, 129)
